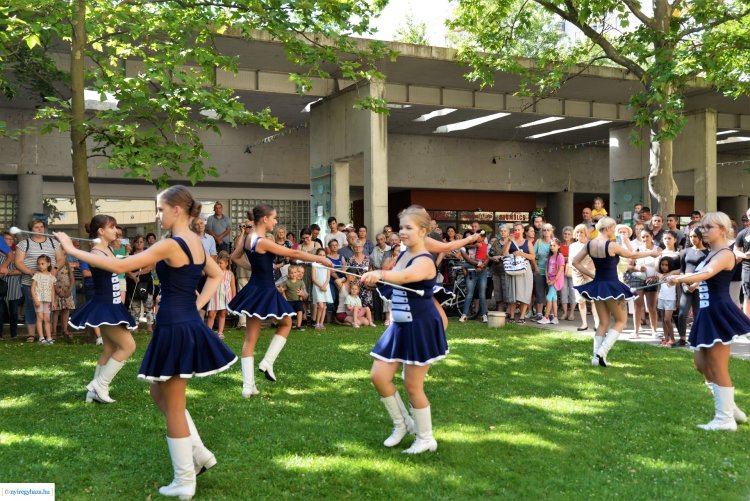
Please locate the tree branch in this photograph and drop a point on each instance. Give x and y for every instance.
(728, 16)
(635, 8)
(572, 17)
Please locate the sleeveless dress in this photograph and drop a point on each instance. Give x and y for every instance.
(718, 320)
(105, 307)
(416, 335)
(223, 293)
(182, 345)
(605, 284)
(260, 297)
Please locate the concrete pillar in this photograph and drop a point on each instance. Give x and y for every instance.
(340, 202)
(29, 198)
(376, 164)
(696, 147)
(734, 207)
(560, 211)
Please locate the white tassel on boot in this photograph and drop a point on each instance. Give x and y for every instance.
(100, 385)
(203, 459)
(424, 442)
(90, 395)
(266, 365)
(402, 421)
(598, 340)
(183, 484)
(609, 341)
(248, 377)
(739, 416)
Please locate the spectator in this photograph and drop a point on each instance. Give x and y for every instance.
(141, 289)
(387, 231)
(690, 258)
(523, 286)
(567, 294)
(477, 275)
(378, 252)
(242, 275)
(209, 243)
(217, 305)
(542, 251)
(695, 222)
(500, 280)
(598, 211)
(150, 239)
(293, 239)
(348, 250)
(334, 233)
(589, 223)
(361, 262)
(315, 234)
(280, 262)
(27, 253)
(537, 221)
(645, 217)
(637, 208)
(672, 223)
(643, 272)
(321, 293)
(220, 228)
(337, 260)
(450, 234)
(362, 237)
(12, 277)
(742, 251)
(394, 242)
(435, 232)
(64, 300)
(657, 228)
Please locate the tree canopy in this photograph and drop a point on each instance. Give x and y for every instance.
(664, 44)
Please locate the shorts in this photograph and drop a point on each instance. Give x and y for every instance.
(666, 304)
(296, 305)
(44, 307)
(551, 293)
(341, 317)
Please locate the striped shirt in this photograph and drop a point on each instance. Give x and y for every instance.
(13, 281)
(33, 250)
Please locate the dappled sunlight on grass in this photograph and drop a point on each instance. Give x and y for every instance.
(15, 402)
(340, 376)
(37, 372)
(561, 405)
(512, 438)
(7, 439)
(472, 341)
(378, 466)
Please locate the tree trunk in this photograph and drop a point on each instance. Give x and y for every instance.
(77, 117)
(660, 179)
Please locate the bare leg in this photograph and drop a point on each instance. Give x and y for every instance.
(604, 313)
(583, 310)
(381, 376)
(252, 333)
(653, 315)
(718, 361)
(414, 384)
(173, 394)
(210, 318)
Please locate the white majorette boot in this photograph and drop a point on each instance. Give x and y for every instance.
(183, 484)
(598, 340)
(90, 395)
(609, 341)
(402, 421)
(739, 416)
(724, 404)
(424, 442)
(266, 365)
(203, 459)
(100, 385)
(248, 377)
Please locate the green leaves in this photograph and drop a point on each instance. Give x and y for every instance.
(159, 59)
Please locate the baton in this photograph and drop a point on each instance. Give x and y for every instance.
(395, 286)
(15, 230)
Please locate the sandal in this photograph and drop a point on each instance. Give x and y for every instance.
(221, 335)
(68, 334)
(521, 321)
(30, 339)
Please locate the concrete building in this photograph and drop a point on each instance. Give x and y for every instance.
(459, 150)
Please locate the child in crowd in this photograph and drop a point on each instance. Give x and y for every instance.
(354, 309)
(343, 285)
(217, 305)
(598, 211)
(64, 298)
(43, 292)
(294, 291)
(321, 293)
(555, 280)
(667, 302)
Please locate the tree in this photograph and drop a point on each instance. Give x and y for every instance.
(665, 47)
(149, 124)
(412, 31)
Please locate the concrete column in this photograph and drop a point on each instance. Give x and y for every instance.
(376, 164)
(696, 145)
(560, 211)
(340, 202)
(29, 198)
(734, 207)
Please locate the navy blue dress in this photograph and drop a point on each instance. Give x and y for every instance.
(606, 284)
(182, 344)
(416, 335)
(260, 297)
(105, 307)
(718, 320)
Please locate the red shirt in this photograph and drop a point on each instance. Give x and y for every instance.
(481, 254)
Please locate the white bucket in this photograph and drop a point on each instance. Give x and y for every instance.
(496, 319)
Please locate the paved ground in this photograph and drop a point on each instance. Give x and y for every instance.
(740, 348)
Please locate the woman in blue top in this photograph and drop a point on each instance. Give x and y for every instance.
(606, 290)
(415, 338)
(260, 299)
(718, 322)
(105, 311)
(182, 346)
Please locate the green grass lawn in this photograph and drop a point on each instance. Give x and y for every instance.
(518, 414)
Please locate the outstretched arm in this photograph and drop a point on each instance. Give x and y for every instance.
(163, 249)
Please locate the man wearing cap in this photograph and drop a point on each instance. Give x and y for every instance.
(742, 251)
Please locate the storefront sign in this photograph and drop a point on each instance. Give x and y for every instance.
(512, 217)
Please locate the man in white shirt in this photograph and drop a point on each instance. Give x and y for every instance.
(209, 244)
(377, 254)
(334, 233)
